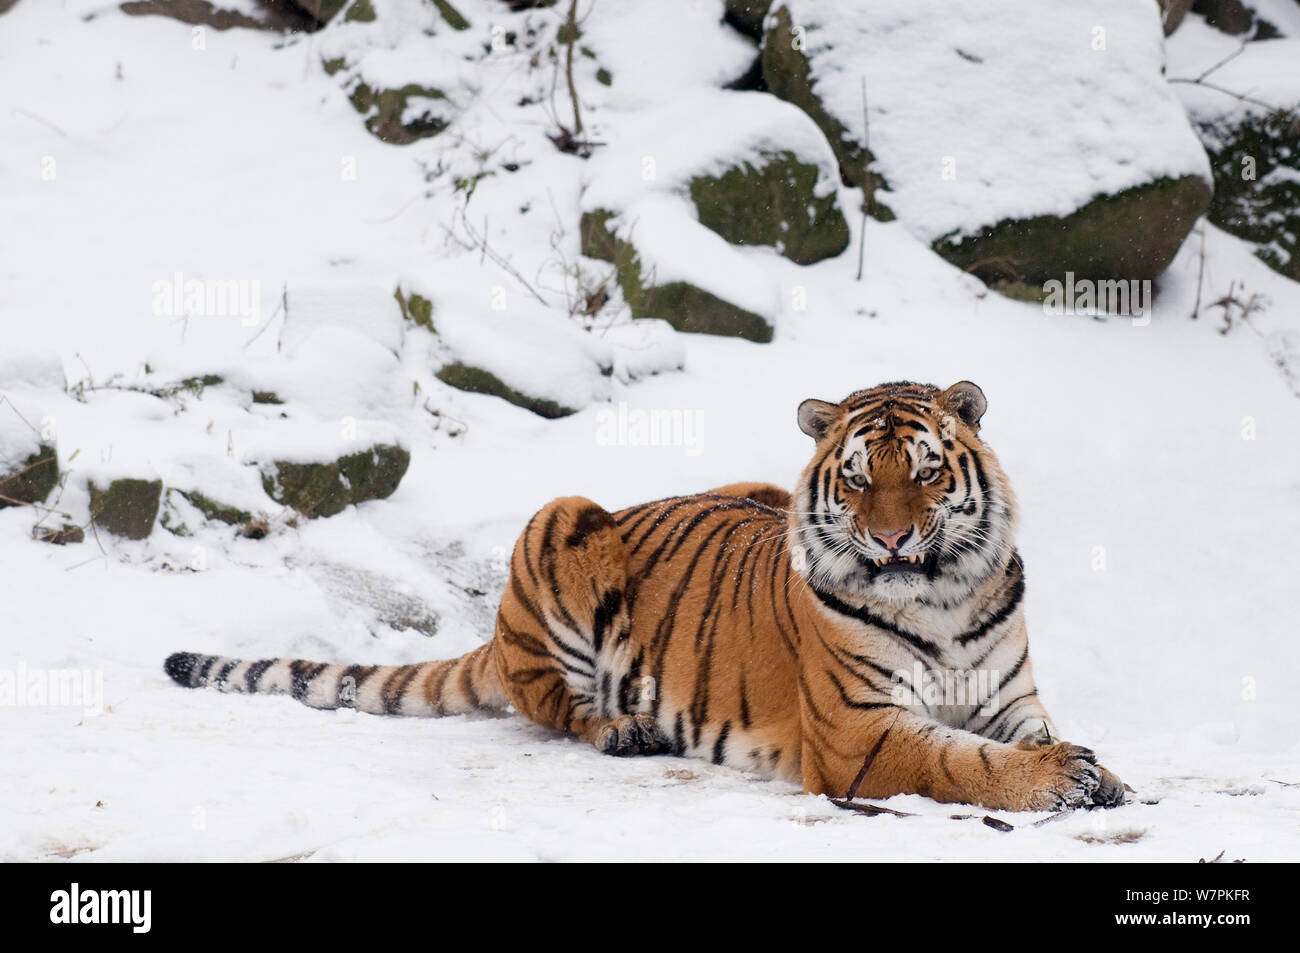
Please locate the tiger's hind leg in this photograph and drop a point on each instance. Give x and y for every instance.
(562, 632)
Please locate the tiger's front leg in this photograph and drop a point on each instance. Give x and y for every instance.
(914, 755)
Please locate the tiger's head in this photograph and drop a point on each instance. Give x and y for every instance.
(902, 502)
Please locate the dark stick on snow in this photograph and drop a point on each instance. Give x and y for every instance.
(866, 765)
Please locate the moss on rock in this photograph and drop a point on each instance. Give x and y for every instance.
(361, 11)
(215, 510)
(773, 204)
(33, 479)
(1131, 235)
(1256, 167)
(416, 309)
(455, 19)
(684, 306)
(327, 488)
(126, 507)
(386, 112)
(787, 73)
(478, 381)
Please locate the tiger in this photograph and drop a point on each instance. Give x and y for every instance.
(801, 636)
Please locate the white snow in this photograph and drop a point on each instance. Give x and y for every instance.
(1263, 72)
(1156, 467)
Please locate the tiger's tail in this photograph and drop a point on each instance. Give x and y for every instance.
(428, 689)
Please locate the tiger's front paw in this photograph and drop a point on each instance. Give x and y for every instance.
(1110, 790)
(1062, 776)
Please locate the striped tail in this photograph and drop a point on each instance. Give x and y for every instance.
(429, 689)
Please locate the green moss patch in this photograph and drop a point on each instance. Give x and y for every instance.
(214, 510)
(684, 306)
(126, 507)
(454, 18)
(1131, 235)
(478, 381)
(324, 489)
(774, 203)
(386, 112)
(33, 479)
(416, 309)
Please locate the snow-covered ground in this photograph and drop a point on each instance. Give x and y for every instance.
(1157, 465)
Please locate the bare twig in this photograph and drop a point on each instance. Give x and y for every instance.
(1227, 92)
(282, 306)
(862, 807)
(868, 190)
(1231, 56)
(1200, 275)
(479, 242)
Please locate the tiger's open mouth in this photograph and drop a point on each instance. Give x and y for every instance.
(901, 564)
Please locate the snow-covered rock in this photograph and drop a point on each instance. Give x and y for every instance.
(1020, 139)
(30, 379)
(497, 341)
(665, 200)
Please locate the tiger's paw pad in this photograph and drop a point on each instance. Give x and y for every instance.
(631, 735)
(1069, 777)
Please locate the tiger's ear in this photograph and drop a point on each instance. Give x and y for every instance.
(966, 401)
(816, 417)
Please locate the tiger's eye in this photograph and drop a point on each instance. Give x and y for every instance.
(858, 479)
(926, 474)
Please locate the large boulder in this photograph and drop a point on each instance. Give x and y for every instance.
(773, 199)
(1020, 142)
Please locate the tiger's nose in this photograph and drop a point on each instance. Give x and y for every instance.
(892, 541)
